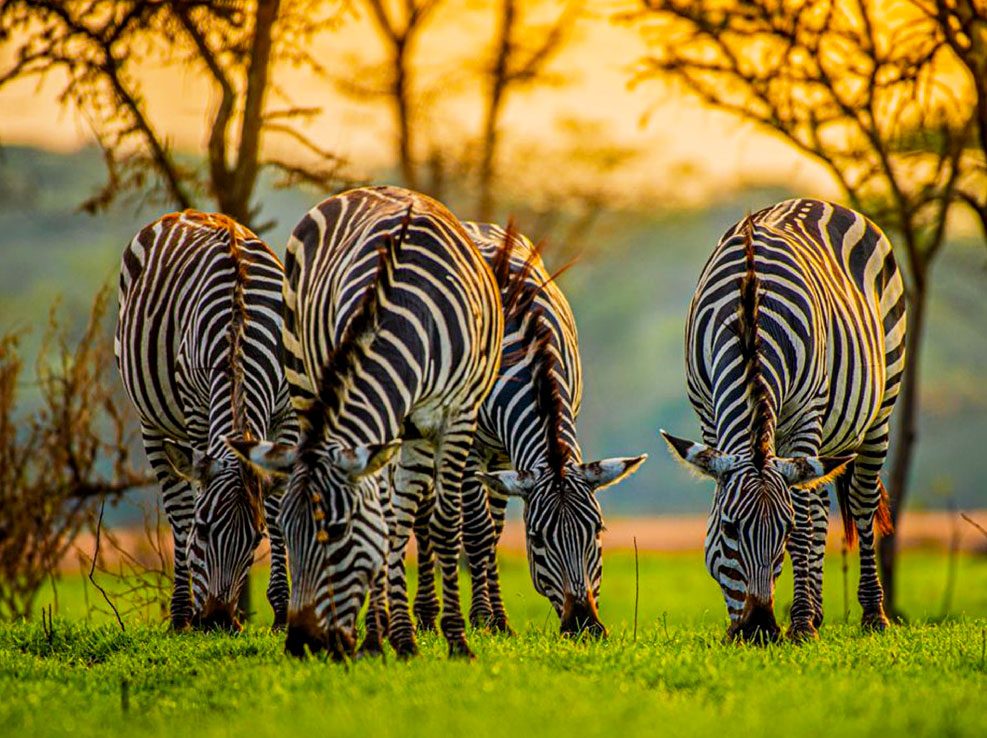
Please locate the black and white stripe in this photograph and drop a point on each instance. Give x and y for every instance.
(795, 348)
(392, 330)
(198, 345)
(527, 446)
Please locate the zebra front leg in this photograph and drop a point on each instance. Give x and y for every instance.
(179, 504)
(447, 524)
(800, 550)
(817, 554)
(426, 606)
(377, 626)
(408, 487)
(277, 587)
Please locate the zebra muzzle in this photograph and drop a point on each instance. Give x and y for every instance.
(579, 615)
(219, 615)
(756, 623)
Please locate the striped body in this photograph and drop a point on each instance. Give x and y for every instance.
(527, 444)
(392, 330)
(795, 351)
(199, 349)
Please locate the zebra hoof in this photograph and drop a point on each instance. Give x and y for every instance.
(279, 624)
(501, 626)
(459, 649)
(800, 633)
(482, 620)
(370, 648)
(405, 649)
(425, 624)
(875, 622)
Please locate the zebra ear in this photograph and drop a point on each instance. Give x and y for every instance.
(362, 461)
(807, 472)
(702, 459)
(197, 468)
(606, 472)
(272, 458)
(509, 483)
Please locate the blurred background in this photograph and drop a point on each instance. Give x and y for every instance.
(627, 135)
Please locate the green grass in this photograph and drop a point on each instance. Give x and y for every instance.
(676, 679)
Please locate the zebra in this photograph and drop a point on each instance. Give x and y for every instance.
(795, 346)
(198, 345)
(392, 334)
(527, 446)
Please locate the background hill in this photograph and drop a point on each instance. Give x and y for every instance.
(629, 291)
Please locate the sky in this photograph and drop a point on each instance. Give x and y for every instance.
(681, 149)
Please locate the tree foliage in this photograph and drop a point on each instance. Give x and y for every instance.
(95, 50)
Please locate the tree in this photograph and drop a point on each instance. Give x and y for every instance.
(58, 461)
(95, 50)
(399, 26)
(870, 90)
(515, 64)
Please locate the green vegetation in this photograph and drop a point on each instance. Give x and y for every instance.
(677, 678)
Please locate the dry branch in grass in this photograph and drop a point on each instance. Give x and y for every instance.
(60, 457)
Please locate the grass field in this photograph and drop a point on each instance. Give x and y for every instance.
(927, 677)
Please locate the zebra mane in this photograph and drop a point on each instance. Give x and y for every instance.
(763, 424)
(343, 358)
(549, 393)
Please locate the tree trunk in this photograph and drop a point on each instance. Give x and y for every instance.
(498, 83)
(907, 412)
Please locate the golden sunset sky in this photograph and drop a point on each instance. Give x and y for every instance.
(682, 149)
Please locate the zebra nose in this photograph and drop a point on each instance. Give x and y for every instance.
(304, 631)
(579, 615)
(756, 623)
(219, 615)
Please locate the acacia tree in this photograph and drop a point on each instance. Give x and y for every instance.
(520, 57)
(95, 49)
(870, 90)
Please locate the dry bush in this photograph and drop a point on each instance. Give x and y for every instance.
(61, 451)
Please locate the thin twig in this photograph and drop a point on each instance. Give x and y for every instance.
(637, 587)
(974, 523)
(92, 569)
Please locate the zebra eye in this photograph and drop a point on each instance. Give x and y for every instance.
(729, 529)
(535, 539)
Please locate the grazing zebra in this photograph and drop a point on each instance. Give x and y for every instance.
(527, 446)
(392, 329)
(198, 345)
(795, 348)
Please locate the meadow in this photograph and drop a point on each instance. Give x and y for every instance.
(83, 676)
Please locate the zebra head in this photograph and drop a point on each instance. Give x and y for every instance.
(334, 532)
(563, 523)
(228, 524)
(749, 525)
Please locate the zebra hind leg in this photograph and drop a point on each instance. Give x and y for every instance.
(426, 607)
(373, 641)
(498, 512)
(867, 504)
(447, 525)
(478, 540)
(410, 482)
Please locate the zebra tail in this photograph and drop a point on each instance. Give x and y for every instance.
(843, 497)
(883, 521)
